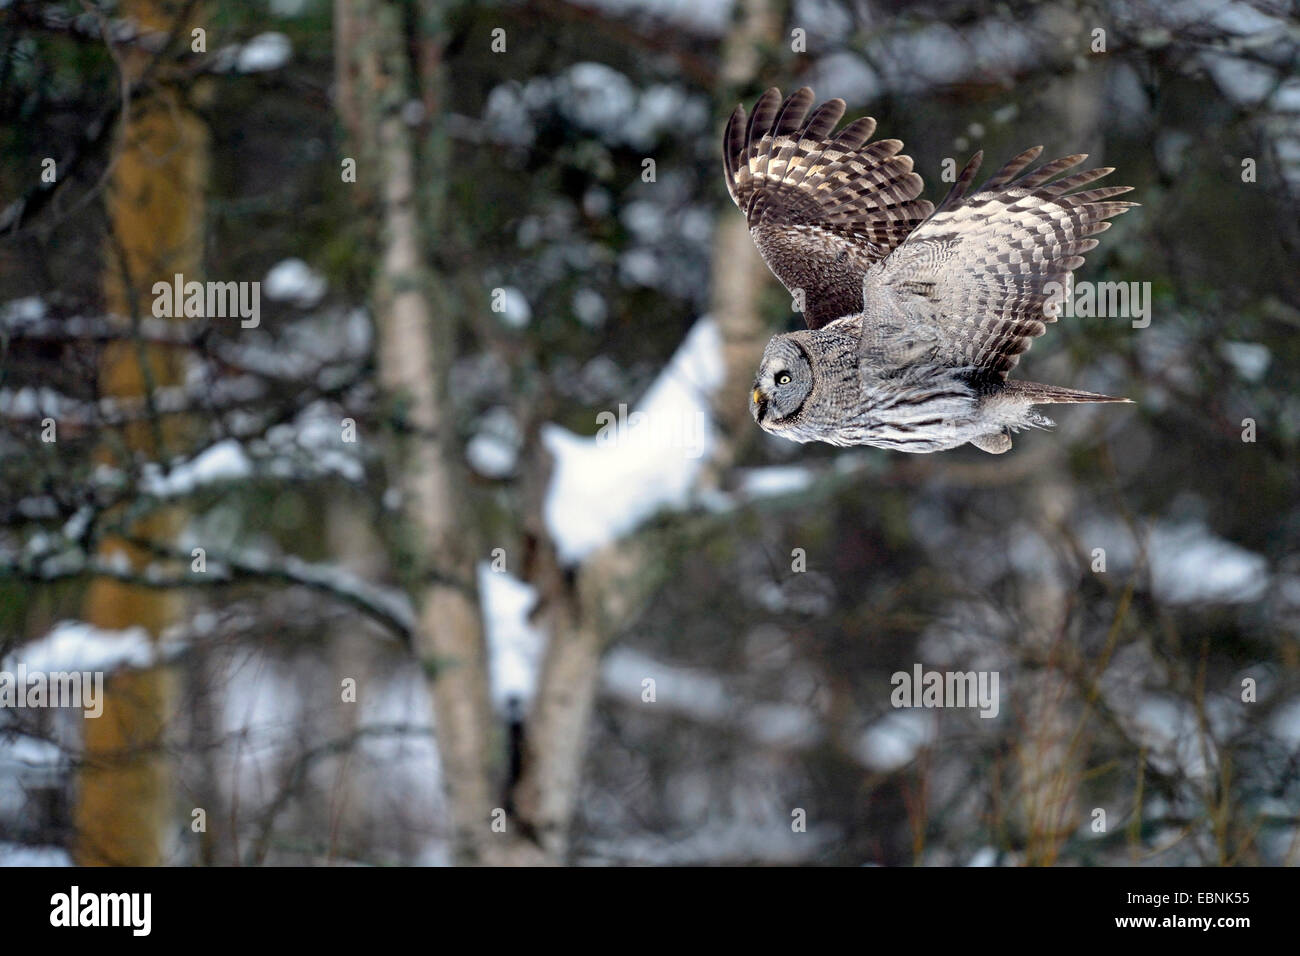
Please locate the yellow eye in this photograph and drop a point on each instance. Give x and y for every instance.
(783, 378)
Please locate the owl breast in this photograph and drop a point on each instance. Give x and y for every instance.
(920, 409)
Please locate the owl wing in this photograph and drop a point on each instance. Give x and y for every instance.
(975, 283)
(821, 208)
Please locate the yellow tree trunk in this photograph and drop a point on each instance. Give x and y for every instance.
(155, 213)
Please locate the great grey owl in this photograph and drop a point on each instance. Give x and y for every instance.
(915, 313)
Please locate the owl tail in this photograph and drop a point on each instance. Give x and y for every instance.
(1039, 394)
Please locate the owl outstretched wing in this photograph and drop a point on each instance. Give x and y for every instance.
(975, 283)
(821, 208)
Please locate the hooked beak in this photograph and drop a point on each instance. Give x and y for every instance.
(758, 405)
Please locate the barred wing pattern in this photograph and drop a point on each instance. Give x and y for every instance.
(970, 287)
(821, 209)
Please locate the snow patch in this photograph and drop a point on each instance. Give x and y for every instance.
(894, 740)
(266, 51)
(775, 480)
(605, 487)
(515, 311)
(224, 461)
(494, 448)
(1249, 359)
(514, 645)
(17, 854)
(78, 646)
(296, 282)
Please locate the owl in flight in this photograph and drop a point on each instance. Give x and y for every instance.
(915, 313)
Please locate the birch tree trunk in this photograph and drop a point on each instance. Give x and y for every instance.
(415, 342)
(579, 608)
(581, 611)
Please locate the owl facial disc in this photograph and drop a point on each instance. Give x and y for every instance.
(782, 385)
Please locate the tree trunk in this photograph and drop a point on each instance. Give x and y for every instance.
(1051, 762)
(415, 342)
(581, 610)
(155, 214)
(739, 273)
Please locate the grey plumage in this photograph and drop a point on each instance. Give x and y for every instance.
(915, 313)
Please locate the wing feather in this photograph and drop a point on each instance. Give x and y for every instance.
(974, 284)
(822, 209)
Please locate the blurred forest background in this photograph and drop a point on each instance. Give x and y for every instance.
(375, 581)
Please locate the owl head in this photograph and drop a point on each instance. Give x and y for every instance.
(784, 381)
